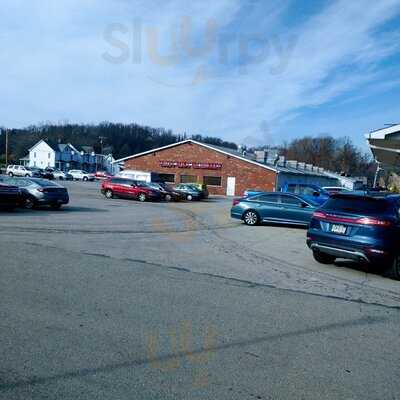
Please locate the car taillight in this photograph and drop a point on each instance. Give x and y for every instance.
(319, 215)
(235, 202)
(373, 221)
(40, 190)
(349, 220)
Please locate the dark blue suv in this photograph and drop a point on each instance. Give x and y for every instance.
(358, 227)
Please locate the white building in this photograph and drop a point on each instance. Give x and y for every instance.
(41, 155)
(385, 145)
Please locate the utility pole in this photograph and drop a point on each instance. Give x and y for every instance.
(6, 147)
(101, 151)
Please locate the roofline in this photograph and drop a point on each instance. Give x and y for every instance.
(382, 132)
(40, 141)
(200, 144)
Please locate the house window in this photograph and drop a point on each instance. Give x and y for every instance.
(34, 155)
(169, 178)
(212, 180)
(188, 178)
(48, 156)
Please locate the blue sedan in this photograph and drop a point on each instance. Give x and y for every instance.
(274, 207)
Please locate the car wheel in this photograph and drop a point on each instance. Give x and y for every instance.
(85, 178)
(109, 194)
(10, 174)
(27, 176)
(189, 197)
(251, 218)
(29, 203)
(55, 206)
(323, 258)
(142, 197)
(392, 270)
(168, 197)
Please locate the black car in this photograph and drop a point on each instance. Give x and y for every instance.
(38, 192)
(358, 227)
(167, 191)
(10, 197)
(42, 173)
(189, 192)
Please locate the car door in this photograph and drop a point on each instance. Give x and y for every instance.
(267, 205)
(296, 210)
(118, 187)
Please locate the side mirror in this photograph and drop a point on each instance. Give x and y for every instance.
(316, 194)
(304, 205)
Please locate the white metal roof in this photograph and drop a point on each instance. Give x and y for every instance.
(381, 133)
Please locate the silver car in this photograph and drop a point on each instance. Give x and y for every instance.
(78, 174)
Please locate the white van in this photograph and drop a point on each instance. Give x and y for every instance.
(135, 175)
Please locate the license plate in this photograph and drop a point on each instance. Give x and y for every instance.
(340, 229)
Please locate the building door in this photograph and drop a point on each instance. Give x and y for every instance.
(230, 186)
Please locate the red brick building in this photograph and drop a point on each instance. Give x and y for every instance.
(223, 171)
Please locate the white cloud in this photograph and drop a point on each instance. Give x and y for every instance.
(52, 64)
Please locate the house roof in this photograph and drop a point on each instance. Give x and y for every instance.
(234, 153)
(40, 141)
(223, 150)
(383, 132)
(87, 149)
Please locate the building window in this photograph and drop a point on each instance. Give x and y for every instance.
(34, 155)
(188, 178)
(212, 180)
(48, 156)
(168, 178)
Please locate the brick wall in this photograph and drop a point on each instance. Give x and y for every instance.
(247, 175)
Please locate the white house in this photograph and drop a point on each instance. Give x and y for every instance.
(41, 155)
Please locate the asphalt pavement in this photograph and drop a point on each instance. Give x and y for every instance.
(115, 299)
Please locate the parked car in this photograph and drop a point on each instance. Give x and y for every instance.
(10, 197)
(189, 192)
(335, 189)
(102, 175)
(307, 191)
(202, 188)
(358, 227)
(42, 173)
(38, 192)
(58, 174)
(168, 193)
(20, 170)
(80, 175)
(274, 207)
(139, 175)
(128, 188)
(252, 192)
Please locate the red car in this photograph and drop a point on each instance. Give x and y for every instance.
(102, 175)
(128, 188)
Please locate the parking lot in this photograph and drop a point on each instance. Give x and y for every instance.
(196, 236)
(88, 288)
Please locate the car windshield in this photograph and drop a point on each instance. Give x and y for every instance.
(357, 205)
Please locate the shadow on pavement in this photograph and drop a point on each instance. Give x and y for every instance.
(85, 372)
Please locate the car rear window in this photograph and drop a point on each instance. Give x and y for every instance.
(357, 205)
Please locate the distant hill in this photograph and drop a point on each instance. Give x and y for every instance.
(122, 139)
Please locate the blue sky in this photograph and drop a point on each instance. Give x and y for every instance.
(250, 71)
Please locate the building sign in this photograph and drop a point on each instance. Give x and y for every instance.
(186, 164)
